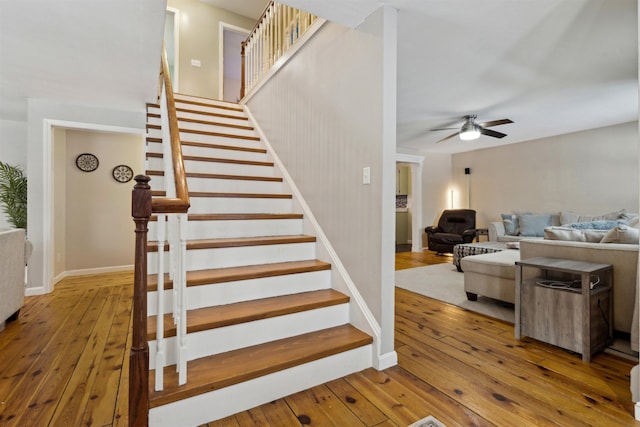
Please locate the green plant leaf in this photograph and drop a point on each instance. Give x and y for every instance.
(13, 194)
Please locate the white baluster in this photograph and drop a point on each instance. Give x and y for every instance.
(160, 342)
(182, 341)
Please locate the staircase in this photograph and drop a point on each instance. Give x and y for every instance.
(263, 320)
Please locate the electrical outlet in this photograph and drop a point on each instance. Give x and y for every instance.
(195, 62)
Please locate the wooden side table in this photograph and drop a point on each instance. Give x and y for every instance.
(482, 232)
(557, 308)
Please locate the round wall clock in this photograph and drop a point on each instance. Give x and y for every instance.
(87, 162)
(122, 173)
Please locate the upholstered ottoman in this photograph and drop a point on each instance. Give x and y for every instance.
(491, 275)
(467, 249)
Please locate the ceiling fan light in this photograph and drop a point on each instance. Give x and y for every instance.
(469, 131)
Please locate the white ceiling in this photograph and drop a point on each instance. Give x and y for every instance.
(249, 8)
(102, 53)
(551, 66)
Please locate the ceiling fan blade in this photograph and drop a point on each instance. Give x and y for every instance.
(495, 123)
(492, 133)
(448, 137)
(444, 128)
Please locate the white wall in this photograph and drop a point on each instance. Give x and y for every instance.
(199, 39)
(325, 114)
(59, 171)
(99, 231)
(13, 149)
(42, 114)
(589, 172)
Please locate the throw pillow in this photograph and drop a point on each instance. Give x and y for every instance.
(510, 222)
(573, 234)
(596, 225)
(622, 234)
(568, 217)
(635, 222)
(533, 225)
(571, 218)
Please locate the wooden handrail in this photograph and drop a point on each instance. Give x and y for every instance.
(181, 203)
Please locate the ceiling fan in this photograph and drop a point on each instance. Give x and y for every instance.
(472, 130)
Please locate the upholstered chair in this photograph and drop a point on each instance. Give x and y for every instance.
(455, 226)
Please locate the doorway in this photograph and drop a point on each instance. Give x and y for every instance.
(412, 175)
(230, 61)
(171, 38)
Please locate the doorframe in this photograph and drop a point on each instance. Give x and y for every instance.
(415, 198)
(47, 245)
(176, 48)
(221, 29)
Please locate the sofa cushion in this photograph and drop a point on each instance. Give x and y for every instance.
(570, 217)
(500, 264)
(635, 222)
(574, 234)
(622, 234)
(596, 225)
(510, 222)
(533, 225)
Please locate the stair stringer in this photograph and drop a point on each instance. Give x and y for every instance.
(360, 314)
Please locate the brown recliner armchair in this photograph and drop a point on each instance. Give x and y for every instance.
(455, 226)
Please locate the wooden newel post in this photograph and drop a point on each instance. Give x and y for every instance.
(242, 69)
(139, 359)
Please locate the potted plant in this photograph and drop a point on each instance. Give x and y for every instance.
(13, 194)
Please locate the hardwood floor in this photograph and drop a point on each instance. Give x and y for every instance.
(64, 363)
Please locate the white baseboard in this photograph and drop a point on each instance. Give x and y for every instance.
(99, 270)
(29, 292)
(386, 360)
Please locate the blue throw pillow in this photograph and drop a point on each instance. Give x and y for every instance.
(510, 222)
(533, 225)
(596, 225)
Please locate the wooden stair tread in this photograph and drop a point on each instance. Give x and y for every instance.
(207, 113)
(215, 160)
(237, 216)
(232, 274)
(210, 145)
(203, 319)
(203, 132)
(206, 104)
(220, 176)
(222, 370)
(235, 242)
(160, 193)
(212, 123)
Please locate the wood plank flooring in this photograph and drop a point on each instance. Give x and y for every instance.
(65, 363)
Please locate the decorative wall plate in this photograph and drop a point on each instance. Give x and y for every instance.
(122, 173)
(87, 162)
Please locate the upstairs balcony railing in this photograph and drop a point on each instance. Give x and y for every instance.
(279, 27)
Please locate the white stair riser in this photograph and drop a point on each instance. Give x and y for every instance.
(200, 259)
(184, 97)
(209, 109)
(190, 150)
(219, 340)
(198, 166)
(220, 229)
(230, 400)
(211, 139)
(239, 121)
(244, 290)
(207, 127)
(225, 185)
(239, 205)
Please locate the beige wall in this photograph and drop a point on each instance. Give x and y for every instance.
(589, 172)
(99, 231)
(323, 112)
(199, 39)
(13, 149)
